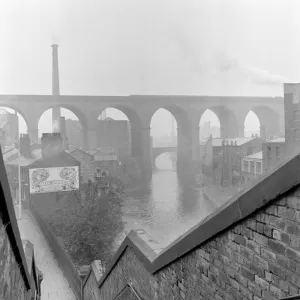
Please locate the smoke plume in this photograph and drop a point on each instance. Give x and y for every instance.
(230, 64)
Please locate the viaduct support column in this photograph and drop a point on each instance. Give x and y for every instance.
(146, 159)
(90, 138)
(32, 128)
(188, 149)
(33, 135)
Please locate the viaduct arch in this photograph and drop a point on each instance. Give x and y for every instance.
(139, 109)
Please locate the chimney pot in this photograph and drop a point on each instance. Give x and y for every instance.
(51, 144)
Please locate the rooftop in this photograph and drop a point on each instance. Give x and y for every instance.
(258, 155)
(22, 161)
(239, 141)
(277, 140)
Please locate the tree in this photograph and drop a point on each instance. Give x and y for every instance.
(88, 224)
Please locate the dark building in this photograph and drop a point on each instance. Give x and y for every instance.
(53, 156)
(227, 157)
(114, 134)
(292, 117)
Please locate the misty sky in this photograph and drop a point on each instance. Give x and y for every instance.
(111, 47)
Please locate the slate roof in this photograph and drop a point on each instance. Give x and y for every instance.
(277, 140)
(258, 155)
(217, 142)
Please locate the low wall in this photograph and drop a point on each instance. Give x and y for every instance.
(248, 249)
(67, 267)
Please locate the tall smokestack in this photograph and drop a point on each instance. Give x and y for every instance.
(55, 87)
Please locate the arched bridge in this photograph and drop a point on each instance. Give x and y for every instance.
(157, 151)
(139, 109)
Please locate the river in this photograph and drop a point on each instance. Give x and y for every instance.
(164, 208)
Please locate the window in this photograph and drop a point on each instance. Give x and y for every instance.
(278, 152)
(296, 134)
(252, 167)
(246, 166)
(258, 167)
(296, 114)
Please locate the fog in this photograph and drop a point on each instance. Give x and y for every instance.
(150, 47)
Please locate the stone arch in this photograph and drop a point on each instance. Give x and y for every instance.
(19, 111)
(205, 126)
(75, 128)
(250, 127)
(269, 121)
(77, 112)
(184, 137)
(173, 139)
(230, 128)
(135, 128)
(157, 152)
(180, 115)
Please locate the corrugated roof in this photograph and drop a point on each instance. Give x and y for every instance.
(258, 155)
(239, 141)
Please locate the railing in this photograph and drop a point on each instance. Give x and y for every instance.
(66, 266)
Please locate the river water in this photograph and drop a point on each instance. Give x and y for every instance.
(164, 208)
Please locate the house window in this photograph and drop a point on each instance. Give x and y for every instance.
(296, 134)
(258, 167)
(278, 152)
(246, 166)
(296, 114)
(252, 167)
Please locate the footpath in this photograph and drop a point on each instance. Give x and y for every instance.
(54, 285)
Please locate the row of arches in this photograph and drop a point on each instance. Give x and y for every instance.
(163, 123)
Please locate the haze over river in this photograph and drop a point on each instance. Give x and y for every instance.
(164, 208)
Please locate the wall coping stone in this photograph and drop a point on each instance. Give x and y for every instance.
(31, 265)
(273, 184)
(9, 220)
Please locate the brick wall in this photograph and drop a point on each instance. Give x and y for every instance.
(15, 279)
(12, 285)
(248, 249)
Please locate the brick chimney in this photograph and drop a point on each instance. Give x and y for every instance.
(63, 132)
(51, 144)
(24, 145)
(55, 86)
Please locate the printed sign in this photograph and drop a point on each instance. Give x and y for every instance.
(48, 180)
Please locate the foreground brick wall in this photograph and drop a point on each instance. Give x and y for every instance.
(259, 258)
(12, 285)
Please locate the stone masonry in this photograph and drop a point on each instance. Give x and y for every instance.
(256, 257)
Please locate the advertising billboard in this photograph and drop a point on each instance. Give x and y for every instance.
(58, 179)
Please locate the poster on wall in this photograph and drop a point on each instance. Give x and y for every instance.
(58, 179)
